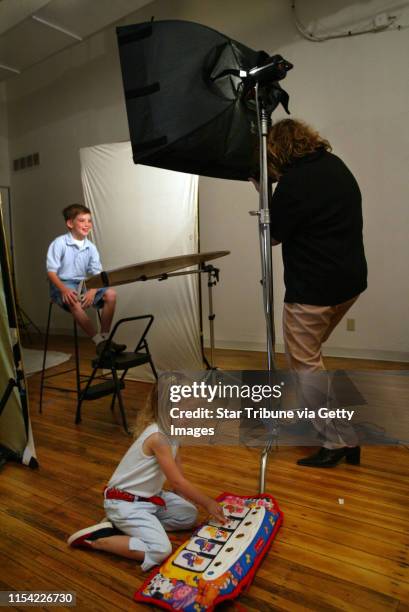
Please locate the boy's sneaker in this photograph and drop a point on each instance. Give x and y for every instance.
(113, 347)
(118, 348)
(84, 537)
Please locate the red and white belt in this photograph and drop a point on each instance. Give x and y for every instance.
(113, 493)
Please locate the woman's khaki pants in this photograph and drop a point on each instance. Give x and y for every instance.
(306, 327)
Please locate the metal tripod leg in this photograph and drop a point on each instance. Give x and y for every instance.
(263, 465)
(45, 356)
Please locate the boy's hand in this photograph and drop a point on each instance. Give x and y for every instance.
(216, 511)
(69, 296)
(88, 298)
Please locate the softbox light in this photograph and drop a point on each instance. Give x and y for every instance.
(188, 108)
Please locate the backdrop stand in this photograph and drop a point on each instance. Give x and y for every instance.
(11, 348)
(7, 392)
(25, 322)
(23, 319)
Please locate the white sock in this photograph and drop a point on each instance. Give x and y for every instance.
(104, 335)
(98, 338)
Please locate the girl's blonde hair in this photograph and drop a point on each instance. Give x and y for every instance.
(155, 409)
(149, 412)
(288, 140)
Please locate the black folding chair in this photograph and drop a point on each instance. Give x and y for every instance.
(116, 362)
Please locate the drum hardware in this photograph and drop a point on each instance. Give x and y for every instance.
(213, 277)
(161, 270)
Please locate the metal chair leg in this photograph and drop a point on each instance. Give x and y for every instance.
(82, 395)
(77, 361)
(78, 412)
(77, 364)
(150, 360)
(145, 346)
(153, 368)
(113, 401)
(119, 395)
(45, 357)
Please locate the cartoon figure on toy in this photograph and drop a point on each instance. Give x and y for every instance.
(192, 559)
(204, 545)
(215, 533)
(159, 586)
(182, 596)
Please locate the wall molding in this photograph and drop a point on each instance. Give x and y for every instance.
(238, 345)
(351, 353)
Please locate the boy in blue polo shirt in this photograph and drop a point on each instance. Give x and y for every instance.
(70, 259)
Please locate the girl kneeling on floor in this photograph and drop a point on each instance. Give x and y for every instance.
(139, 512)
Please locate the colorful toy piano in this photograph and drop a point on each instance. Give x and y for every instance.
(218, 561)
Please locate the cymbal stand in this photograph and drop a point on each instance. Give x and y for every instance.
(212, 280)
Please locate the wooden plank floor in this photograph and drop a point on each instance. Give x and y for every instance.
(327, 556)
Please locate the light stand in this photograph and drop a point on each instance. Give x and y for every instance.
(264, 122)
(223, 81)
(263, 214)
(261, 79)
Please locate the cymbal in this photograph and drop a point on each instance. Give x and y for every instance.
(149, 269)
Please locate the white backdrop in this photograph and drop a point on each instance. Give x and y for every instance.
(142, 214)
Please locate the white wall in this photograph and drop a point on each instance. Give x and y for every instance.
(353, 90)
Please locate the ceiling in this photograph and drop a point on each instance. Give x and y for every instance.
(32, 30)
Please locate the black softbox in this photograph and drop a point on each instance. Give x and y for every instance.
(188, 108)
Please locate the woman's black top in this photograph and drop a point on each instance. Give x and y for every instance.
(316, 214)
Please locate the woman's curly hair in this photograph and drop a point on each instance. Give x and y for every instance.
(289, 140)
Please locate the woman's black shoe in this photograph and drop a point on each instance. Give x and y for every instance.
(329, 457)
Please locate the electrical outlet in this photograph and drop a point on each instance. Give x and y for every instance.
(350, 324)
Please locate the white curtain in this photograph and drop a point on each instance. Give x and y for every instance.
(142, 214)
(15, 426)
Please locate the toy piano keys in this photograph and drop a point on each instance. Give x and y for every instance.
(218, 561)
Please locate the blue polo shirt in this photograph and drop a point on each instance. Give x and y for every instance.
(69, 262)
